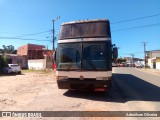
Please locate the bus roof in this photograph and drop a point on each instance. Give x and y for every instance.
(85, 21)
(85, 29)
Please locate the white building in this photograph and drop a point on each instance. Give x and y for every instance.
(153, 58)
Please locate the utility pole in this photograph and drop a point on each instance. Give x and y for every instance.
(144, 44)
(53, 31)
(132, 58)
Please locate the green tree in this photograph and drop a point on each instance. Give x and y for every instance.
(7, 49)
(120, 60)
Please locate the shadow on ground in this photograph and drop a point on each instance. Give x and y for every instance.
(125, 88)
(11, 74)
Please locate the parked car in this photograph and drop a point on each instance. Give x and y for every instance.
(138, 65)
(121, 65)
(114, 65)
(130, 65)
(12, 68)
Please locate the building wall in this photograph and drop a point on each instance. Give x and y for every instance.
(158, 63)
(23, 50)
(156, 54)
(150, 63)
(16, 59)
(35, 56)
(153, 58)
(34, 47)
(153, 54)
(38, 64)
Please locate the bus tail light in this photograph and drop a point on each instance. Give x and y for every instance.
(100, 89)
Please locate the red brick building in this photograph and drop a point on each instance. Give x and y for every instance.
(37, 56)
(32, 51)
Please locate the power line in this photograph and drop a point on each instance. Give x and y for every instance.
(151, 25)
(133, 53)
(31, 34)
(9, 32)
(34, 33)
(136, 18)
(111, 23)
(21, 38)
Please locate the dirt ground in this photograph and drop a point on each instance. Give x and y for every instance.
(38, 91)
(17, 91)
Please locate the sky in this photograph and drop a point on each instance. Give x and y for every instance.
(132, 21)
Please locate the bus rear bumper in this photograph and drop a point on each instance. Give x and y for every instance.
(91, 85)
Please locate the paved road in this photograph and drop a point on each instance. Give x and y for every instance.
(136, 85)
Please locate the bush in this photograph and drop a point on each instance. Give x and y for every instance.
(3, 63)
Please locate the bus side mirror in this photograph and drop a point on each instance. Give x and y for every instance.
(115, 52)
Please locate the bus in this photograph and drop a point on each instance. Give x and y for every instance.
(84, 55)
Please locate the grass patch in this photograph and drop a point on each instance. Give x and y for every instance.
(26, 71)
(36, 71)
